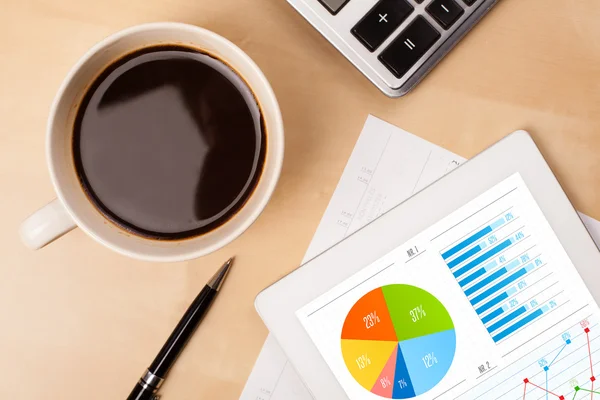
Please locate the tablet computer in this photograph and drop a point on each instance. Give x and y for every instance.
(481, 286)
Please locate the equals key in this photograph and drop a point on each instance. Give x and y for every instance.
(409, 47)
(409, 44)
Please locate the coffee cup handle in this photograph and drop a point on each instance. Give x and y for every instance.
(46, 225)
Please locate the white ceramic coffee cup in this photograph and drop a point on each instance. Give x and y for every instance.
(73, 209)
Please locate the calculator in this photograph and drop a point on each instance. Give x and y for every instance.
(394, 43)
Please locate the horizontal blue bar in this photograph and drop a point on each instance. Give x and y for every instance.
(507, 319)
(496, 300)
(497, 223)
(512, 264)
(478, 273)
(471, 239)
(472, 277)
(466, 255)
(484, 282)
(499, 285)
(492, 303)
(491, 265)
(492, 315)
(483, 257)
(518, 324)
(492, 277)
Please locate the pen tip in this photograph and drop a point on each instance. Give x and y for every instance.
(219, 277)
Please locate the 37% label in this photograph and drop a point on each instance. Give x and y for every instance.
(417, 313)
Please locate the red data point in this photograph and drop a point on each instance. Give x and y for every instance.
(562, 397)
(587, 330)
(526, 380)
(593, 378)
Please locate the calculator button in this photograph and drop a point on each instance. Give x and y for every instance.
(409, 47)
(445, 12)
(333, 6)
(381, 22)
(470, 2)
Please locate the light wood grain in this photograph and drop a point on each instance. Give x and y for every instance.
(78, 321)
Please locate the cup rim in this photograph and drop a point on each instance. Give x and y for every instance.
(276, 149)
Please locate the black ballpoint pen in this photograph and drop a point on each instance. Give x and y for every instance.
(154, 376)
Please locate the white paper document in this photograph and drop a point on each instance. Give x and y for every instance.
(387, 166)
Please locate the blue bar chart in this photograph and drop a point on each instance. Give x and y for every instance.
(499, 266)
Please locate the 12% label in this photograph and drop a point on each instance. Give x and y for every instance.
(429, 360)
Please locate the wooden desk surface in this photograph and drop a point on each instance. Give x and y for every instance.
(78, 321)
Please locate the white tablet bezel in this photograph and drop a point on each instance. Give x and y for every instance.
(277, 304)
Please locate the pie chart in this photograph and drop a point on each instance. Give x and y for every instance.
(398, 341)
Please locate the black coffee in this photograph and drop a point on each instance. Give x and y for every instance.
(169, 142)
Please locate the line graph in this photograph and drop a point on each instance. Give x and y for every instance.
(578, 391)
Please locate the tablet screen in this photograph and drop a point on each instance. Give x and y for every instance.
(484, 304)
